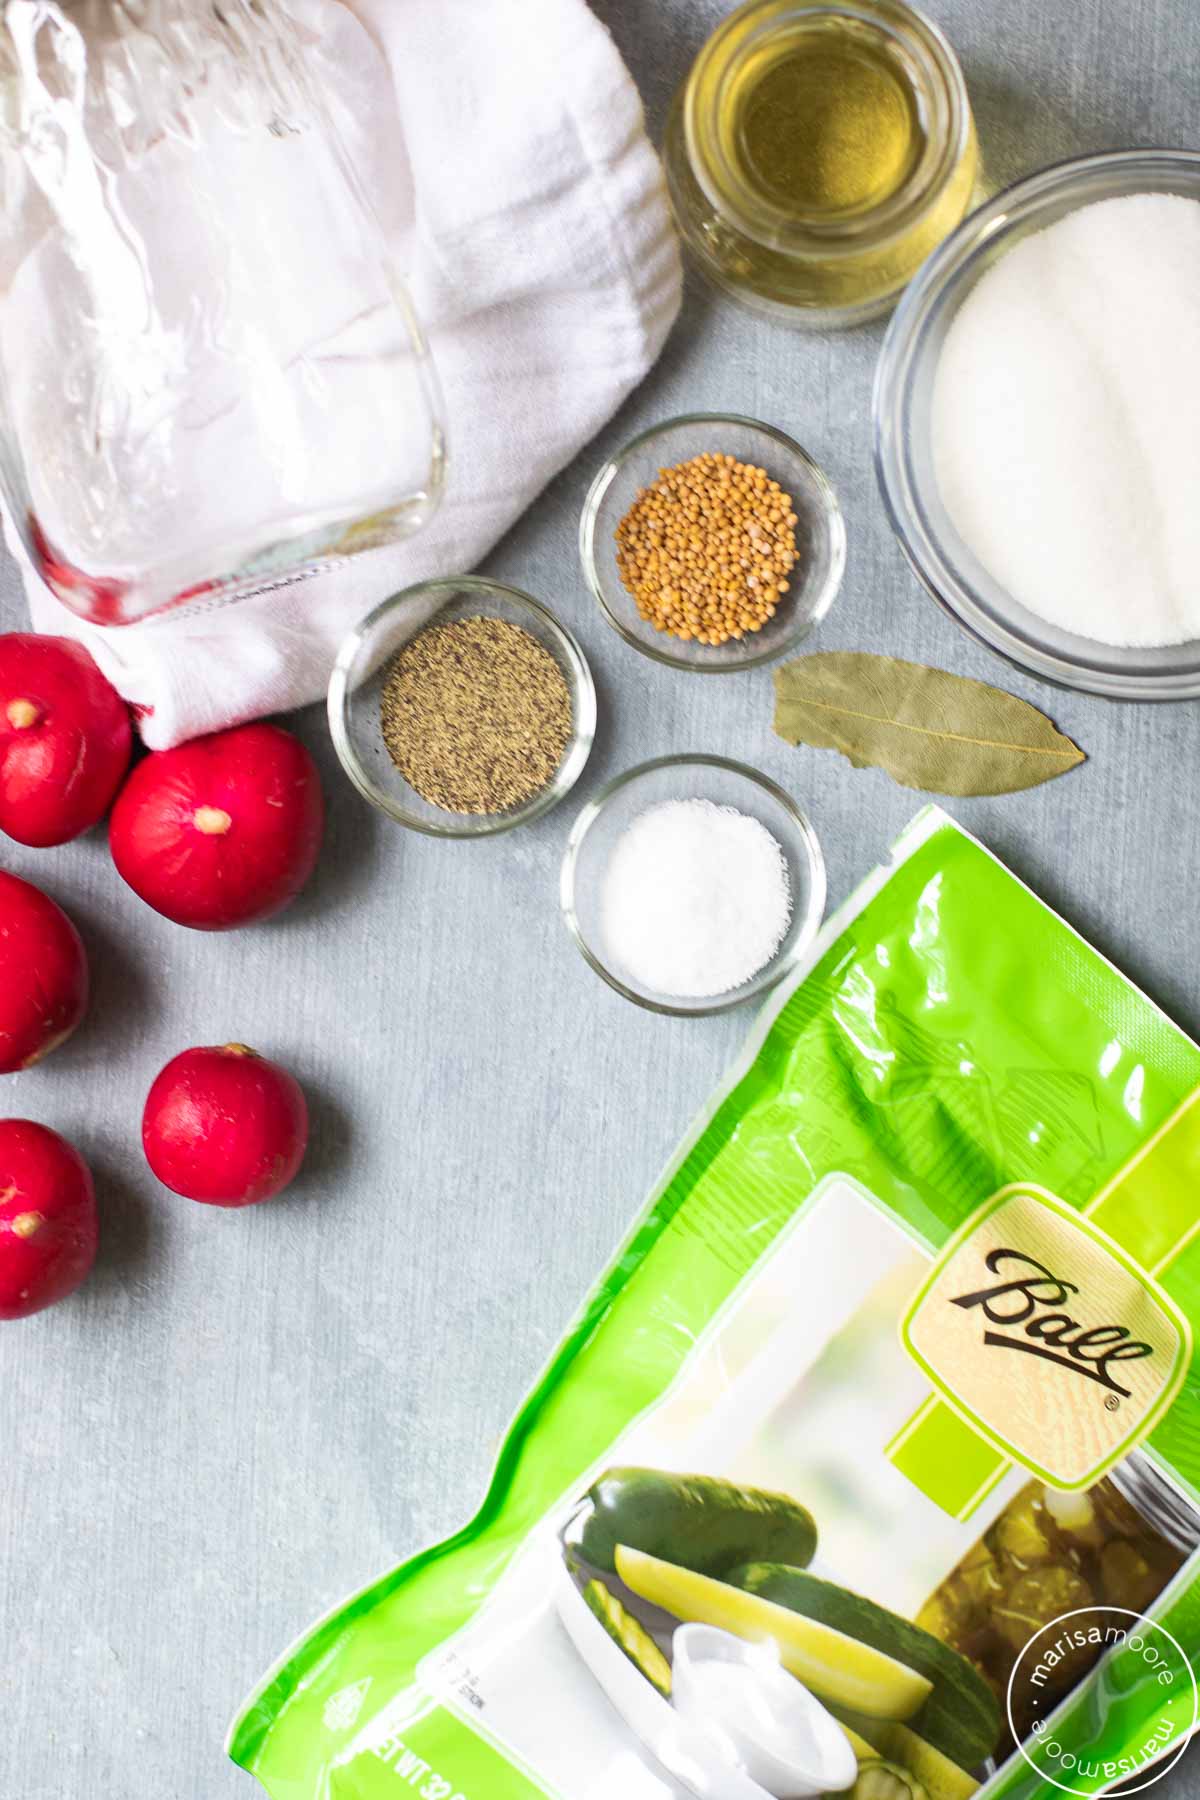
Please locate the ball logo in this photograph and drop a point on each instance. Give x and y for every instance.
(1103, 1349)
(1029, 1299)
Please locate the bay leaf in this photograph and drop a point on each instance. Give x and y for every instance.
(941, 733)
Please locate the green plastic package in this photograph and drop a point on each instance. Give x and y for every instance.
(888, 1407)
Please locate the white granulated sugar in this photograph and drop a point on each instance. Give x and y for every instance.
(696, 899)
(1064, 423)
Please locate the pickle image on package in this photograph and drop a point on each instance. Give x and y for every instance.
(895, 1369)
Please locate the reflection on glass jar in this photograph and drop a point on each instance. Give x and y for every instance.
(817, 153)
(212, 375)
(1050, 1553)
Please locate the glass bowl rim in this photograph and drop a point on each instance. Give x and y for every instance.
(831, 511)
(774, 971)
(583, 722)
(931, 561)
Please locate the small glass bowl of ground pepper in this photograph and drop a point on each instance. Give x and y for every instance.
(713, 543)
(462, 708)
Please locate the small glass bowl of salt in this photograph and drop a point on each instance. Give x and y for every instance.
(692, 884)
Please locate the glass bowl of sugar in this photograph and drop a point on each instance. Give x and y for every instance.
(692, 884)
(1035, 441)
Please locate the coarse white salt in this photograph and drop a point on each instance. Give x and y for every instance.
(1064, 421)
(695, 900)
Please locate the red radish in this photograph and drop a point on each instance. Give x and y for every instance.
(225, 1126)
(220, 831)
(43, 974)
(65, 739)
(48, 1225)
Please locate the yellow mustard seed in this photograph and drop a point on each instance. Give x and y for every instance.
(706, 550)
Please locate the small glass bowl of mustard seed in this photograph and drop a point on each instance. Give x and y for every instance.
(462, 707)
(713, 543)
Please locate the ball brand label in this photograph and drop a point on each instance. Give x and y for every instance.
(1023, 1301)
(1047, 1337)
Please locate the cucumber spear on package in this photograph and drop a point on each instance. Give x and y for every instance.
(872, 1464)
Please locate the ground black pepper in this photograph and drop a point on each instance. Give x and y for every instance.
(475, 715)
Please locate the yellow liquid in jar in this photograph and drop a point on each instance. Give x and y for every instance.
(827, 128)
(815, 157)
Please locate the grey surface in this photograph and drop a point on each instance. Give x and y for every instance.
(244, 1416)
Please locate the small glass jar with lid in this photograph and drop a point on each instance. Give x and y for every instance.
(818, 152)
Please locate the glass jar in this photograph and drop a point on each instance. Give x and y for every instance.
(1046, 1555)
(212, 377)
(817, 153)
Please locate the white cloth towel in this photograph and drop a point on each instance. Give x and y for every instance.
(503, 144)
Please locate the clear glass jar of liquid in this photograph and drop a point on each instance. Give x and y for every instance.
(817, 153)
(212, 375)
